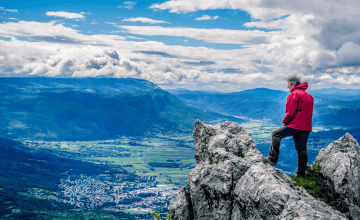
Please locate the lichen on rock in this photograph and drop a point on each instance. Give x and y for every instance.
(247, 187)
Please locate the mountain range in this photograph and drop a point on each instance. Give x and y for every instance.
(100, 108)
(57, 109)
(333, 107)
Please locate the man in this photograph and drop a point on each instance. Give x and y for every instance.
(297, 123)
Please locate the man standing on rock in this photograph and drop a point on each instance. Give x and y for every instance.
(297, 123)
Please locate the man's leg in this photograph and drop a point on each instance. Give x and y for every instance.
(276, 137)
(300, 140)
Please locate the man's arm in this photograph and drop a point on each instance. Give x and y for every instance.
(291, 106)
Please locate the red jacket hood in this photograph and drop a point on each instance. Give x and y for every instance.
(302, 86)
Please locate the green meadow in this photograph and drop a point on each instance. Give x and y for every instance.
(170, 159)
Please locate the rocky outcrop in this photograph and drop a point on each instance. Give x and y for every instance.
(232, 180)
(340, 169)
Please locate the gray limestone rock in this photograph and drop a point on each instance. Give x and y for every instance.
(180, 206)
(233, 187)
(340, 168)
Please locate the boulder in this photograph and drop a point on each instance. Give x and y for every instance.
(340, 169)
(233, 180)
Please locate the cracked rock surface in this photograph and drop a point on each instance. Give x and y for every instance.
(250, 188)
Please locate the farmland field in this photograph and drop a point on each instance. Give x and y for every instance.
(168, 158)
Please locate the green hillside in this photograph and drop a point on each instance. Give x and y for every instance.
(29, 111)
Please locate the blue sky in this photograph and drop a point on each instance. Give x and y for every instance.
(223, 45)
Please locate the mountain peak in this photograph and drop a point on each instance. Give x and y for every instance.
(232, 180)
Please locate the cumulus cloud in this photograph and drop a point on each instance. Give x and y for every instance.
(206, 17)
(335, 32)
(128, 4)
(344, 80)
(144, 20)
(209, 35)
(312, 37)
(264, 9)
(64, 14)
(81, 60)
(282, 53)
(348, 54)
(336, 22)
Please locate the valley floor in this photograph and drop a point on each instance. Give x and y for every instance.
(145, 173)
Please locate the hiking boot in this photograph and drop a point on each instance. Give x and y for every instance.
(267, 160)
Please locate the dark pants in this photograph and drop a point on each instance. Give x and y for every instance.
(300, 140)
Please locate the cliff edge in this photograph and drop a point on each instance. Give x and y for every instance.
(232, 180)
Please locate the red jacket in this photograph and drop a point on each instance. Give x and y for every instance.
(299, 108)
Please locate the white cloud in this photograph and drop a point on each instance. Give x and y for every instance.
(348, 54)
(209, 35)
(206, 17)
(263, 9)
(128, 4)
(334, 27)
(51, 32)
(191, 6)
(8, 10)
(137, 38)
(113, 23)
(13, 19)
(344, 80)
(313, 40)
(54, 59)
(313, 37)
(144, 20)
(94, 23)
(284, 53)
(63, 14)
(74, 25)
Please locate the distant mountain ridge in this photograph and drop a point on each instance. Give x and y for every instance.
(337, 94)
(258, 103)
(93, 85)
(333, 107)
(64, 109)
(337, 91)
